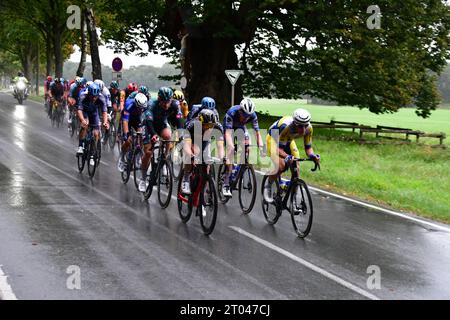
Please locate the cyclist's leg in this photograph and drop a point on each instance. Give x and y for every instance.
(188, 151)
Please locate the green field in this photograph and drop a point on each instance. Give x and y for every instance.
(439, 121)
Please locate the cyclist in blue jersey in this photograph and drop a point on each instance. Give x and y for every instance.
(88, 113)
(134, 107)
(237, 118)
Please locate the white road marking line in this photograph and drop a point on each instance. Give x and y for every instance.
(307, 264)
(6, 292)
(371, 206)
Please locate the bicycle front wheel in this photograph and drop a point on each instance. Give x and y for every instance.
(165, 184)
(271, 205)
(137, 172)
(125, 174)
(208, 207)
(247, 189)
(220, 182)
(184, 202)
(113, 135)
(301, 208)
(92, 158)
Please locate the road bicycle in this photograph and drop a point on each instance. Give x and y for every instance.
(159, 173)
(292, 195)
(91, 153)
(203, 198)
(58, 113)
(242, 179)
(133, 159)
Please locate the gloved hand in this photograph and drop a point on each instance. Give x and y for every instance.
(288, 159)
(315, 157)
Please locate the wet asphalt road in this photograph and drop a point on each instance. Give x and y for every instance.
(52, 217)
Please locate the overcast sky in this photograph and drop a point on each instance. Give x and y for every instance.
(107, 56)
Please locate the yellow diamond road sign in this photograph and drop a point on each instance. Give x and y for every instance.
(233, 75)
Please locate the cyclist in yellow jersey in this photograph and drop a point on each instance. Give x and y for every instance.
(281, 144)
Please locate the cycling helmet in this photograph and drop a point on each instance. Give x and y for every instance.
(94, 90)
(178, 95)
(62, 80)
(132, 87)
(207, 116)
(247, 106)
(114, 85)
(20, 74)
(301, 117)
(80, 82)
(88, 84)
(165, 94)
(208, 103)
(57, 80)
(141, 100)
(49, 79)
(100, 83)
(143, 89)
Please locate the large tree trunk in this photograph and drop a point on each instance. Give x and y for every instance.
(49, 54)
(57, 48)
(93, 41)
(207, 75)
(27, 61)
(83, 47)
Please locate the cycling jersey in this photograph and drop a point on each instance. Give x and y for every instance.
(287, 133)
(235, 118)
(57, 90)
(107, 95)
(118, 97)
(131, 110)
(175, 114)
(184, 107)
(75, 91)
(90, 108)
(155, 119)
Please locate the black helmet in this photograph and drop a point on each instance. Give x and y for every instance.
(20, 74)
(207, 116)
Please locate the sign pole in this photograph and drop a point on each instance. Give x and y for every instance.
(232, 95)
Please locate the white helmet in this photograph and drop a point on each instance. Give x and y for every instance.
(248, 106)
(100, 83)
(301, 116)
(141, 100)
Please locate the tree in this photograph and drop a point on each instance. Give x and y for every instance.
(93, 42)
(47, 17)
(292, 48)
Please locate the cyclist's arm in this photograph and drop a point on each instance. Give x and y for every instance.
(308, 143)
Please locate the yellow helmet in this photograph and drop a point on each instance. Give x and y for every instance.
(178, 95)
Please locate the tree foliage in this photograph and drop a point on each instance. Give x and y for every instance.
(292, 48)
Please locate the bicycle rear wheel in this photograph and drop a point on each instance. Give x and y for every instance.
(208, 207)
(247, 189)
(271, 208)
(301, 208)
(165, 184)
(184, 202)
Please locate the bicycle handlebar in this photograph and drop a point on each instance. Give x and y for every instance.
(316, 166)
